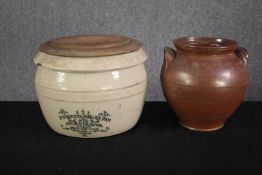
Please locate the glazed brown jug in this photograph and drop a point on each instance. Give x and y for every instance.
(204, 80)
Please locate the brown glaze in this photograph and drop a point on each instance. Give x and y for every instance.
(204, 81)
(90, 46)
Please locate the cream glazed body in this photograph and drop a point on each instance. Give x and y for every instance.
(91, 97)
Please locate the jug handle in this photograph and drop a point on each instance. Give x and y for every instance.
(242, 54)
(169, 56)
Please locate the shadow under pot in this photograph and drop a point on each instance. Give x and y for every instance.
(204, 80)
(91, 85)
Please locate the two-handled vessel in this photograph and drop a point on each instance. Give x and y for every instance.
(204, 80)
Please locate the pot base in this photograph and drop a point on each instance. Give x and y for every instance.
(202, 130)
(95, 136)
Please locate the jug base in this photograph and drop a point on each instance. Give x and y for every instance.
(201, 129)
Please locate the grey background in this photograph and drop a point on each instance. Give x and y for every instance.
(24, 24)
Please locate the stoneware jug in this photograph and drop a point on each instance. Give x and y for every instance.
(204, 80)
(92, 85)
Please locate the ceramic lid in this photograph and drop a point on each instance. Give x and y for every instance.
(90, 46)
(90, 53)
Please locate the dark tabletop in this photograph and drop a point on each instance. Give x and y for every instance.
(156, 145)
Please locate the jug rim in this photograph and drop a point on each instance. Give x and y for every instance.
(205, 45)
